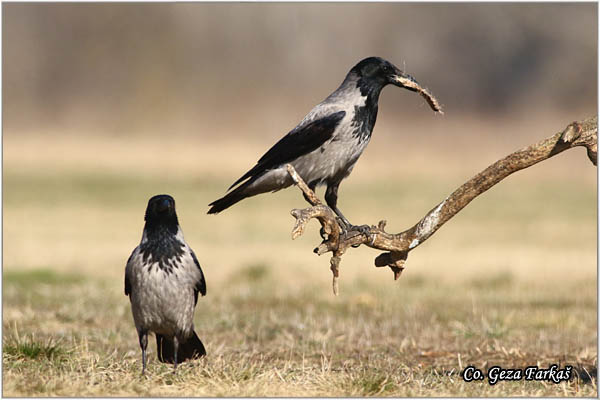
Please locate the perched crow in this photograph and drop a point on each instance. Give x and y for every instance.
(326, 144)
(163, 279)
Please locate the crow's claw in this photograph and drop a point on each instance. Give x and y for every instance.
(343, 226)
(364, 229)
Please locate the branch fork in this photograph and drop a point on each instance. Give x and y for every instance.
(397, 246)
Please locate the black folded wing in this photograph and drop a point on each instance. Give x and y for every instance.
(201, 283)
(299, 141)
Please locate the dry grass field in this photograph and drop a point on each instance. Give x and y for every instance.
(510, 281)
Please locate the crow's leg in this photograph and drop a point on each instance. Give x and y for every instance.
(331, 197)
(175, 348)
(143, 336)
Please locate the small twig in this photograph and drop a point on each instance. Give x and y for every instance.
(310, 195)
(424, 92)
(397, 246)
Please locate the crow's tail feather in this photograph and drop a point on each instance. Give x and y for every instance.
(190, 349)
(228, 200)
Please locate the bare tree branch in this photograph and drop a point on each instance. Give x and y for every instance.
(397, 246)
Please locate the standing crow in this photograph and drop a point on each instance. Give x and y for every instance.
(162, 279)
(326, 144)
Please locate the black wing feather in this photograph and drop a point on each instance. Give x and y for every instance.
(127, 283)
(201, 284)
(127, 286)
(296, 143)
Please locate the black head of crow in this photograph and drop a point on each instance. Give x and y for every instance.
(375, 73)
(325, 145)
(160, 214)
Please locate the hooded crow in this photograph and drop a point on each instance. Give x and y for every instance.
(326, 144)
(163, 279)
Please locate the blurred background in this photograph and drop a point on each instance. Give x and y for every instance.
(188, 96)
(105, 105)
(108, 104)
(204, 69)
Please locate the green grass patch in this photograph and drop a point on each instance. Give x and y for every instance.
(34, 349)
(251, 274)
(503, 279)
(93, 189)
(372, 384)
(40, 276)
